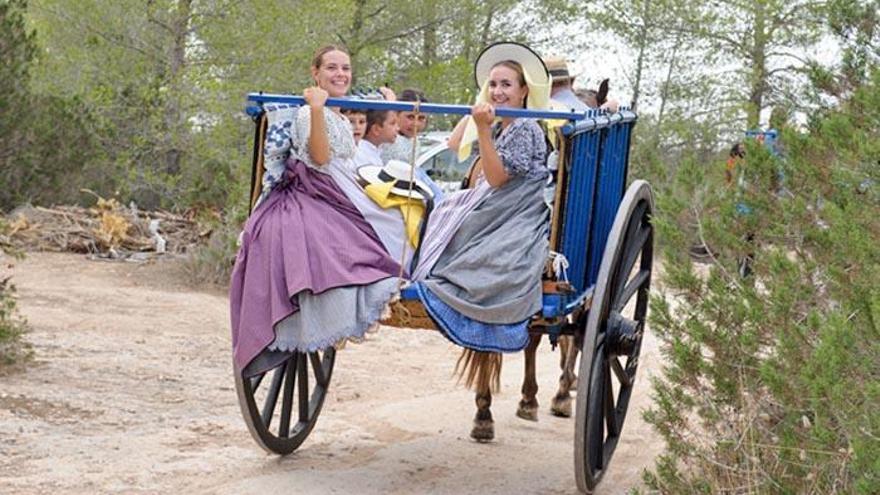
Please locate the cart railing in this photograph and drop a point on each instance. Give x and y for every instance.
(409, 106)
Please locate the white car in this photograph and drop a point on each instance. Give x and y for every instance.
(440, 163)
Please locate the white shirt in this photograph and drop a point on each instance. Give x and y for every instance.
(400, 149)
(568, 98)
(367, 153)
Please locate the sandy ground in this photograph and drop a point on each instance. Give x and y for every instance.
(131, 391)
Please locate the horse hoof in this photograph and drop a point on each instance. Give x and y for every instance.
(561, 406)
(483, 431)
(527, 411)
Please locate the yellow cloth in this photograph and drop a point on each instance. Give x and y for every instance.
(552, 124)
(538, 99)
(412, 208)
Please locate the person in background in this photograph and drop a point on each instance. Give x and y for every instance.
(358, 117)
(409, 123)
(381, 129)
(562, 93)
(383, 147)
(737, 153)
(358, 120)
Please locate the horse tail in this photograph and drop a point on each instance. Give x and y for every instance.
(480, 371)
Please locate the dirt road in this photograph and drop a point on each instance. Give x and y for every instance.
(131, 392)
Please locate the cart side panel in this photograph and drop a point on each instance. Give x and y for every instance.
(610, 187)
(579, 204)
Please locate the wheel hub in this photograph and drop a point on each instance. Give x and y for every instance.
(622, 334)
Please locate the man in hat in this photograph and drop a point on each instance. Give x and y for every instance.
(562, 92)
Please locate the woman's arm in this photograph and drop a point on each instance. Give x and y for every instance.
(454, 141)
(493, 169)
(318, 142)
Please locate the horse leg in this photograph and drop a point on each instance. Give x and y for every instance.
(484, 426)
(528, 405)
(564, 343)
(482, 372)
(561, 403)
(571, 360)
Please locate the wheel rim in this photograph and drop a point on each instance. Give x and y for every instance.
(281, 405)
(613, 336)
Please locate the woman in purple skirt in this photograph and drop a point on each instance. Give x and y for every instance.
(310, 272)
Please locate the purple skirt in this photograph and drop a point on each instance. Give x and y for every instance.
(306, 235)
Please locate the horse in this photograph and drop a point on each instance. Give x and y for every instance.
(481, 371)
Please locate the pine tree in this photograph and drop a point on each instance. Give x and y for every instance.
(17, 50)
(773, 380)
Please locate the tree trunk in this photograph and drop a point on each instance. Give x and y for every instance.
(664, 90)
(175, 123)
(643, 47)
(487, 27)
(429, 35)
(758, 76)
(355, 42)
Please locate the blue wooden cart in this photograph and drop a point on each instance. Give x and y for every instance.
(601, 226)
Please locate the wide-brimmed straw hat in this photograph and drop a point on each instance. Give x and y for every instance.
(534, 71)
(536, 74)
(398, 172)
(558, 68)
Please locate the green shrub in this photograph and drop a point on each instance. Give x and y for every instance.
(211, 263)
(12, 348)
(773, 381)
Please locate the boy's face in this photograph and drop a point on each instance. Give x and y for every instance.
(358, 124)
(387, 132)
(410, 123)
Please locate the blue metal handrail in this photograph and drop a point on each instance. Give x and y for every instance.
(599, 120)
(408, 106)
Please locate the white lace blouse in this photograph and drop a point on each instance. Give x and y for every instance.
(288, 135)
(339, 134)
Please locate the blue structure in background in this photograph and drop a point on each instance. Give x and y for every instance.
(769, 137)
(770, 140)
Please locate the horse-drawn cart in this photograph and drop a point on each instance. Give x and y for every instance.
(603, 230)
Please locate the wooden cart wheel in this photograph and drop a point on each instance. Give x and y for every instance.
(613, 336)
(270, 420)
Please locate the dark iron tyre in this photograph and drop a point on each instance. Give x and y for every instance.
(281, 406)
(613, 336)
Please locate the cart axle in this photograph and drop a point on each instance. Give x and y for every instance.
(622, 334)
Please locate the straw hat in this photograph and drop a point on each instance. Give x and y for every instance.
(558, 68)
(398, 172)
(535, 72)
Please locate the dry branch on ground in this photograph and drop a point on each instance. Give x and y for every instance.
(108, 229)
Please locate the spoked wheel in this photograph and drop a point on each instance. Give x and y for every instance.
(300, 382)
(613, 336)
